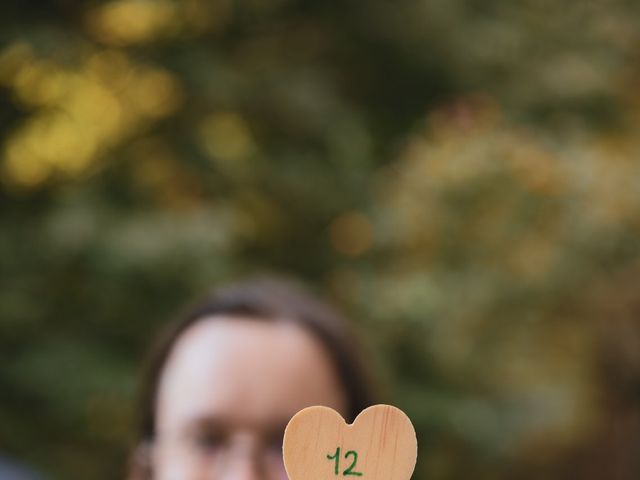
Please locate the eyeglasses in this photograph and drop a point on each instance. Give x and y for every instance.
(218, 453)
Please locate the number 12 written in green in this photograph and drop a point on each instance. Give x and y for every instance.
(349, 469)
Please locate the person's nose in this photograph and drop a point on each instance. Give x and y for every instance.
(243, 467)
(244, 462)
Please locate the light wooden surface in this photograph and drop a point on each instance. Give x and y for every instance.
(382, 437)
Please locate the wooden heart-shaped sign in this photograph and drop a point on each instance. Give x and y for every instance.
(379, 445)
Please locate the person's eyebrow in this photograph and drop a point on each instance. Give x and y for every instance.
(208, 422)
(271, 429)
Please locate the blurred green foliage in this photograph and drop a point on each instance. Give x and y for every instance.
(461, 176)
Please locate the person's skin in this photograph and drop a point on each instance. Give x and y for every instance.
(228, 390)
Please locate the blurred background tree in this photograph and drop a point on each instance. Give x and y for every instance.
(461, 176)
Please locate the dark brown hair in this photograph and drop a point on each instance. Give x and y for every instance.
(263, 299)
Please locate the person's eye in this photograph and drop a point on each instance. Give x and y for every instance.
(275, 442)
(208, 441)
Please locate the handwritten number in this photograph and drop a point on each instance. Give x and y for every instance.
(337, 458)
(349, 471)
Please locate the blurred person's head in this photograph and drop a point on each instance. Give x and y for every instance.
(225, 379)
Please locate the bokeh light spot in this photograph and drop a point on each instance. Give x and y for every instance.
(128, 22)
(351, 233)
(226, 136)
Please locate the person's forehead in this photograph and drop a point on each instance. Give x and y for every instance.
(247, 371)
(232, 346)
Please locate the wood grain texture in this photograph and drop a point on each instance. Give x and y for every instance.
(382, 437)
